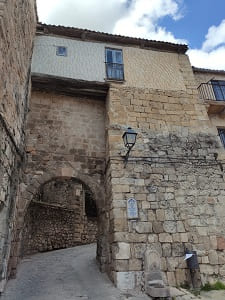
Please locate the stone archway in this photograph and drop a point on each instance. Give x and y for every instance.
(62, 214)
(28, 192)
(40, 178)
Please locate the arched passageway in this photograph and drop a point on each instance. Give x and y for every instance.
(62, 214)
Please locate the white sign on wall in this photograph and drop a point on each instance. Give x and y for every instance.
(132, 209)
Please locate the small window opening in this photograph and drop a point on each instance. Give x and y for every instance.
(219, 89)
(114, 64)
(221, 132)
(61, 51)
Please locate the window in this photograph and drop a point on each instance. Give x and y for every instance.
(219, 89)
(222, 136)
(114, 64)
(61, 51)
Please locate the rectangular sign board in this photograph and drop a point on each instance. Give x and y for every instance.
(132, 209)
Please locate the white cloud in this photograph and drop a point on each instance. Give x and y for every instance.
(214, 37)
(98, 15)
(137, 18)
(212, 53)
(211, 60)
(45, 7)
(142, 19)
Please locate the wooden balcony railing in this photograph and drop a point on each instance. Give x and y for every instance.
(212, 91)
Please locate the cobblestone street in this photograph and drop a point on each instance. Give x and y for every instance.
(70, 274)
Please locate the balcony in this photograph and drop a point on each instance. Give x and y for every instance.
(213, 93)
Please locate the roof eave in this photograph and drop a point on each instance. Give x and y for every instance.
(203, 70)
(86, 34)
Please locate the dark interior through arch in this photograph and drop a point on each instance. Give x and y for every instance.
(62, 214)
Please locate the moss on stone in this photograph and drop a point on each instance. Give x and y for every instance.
(215, 286)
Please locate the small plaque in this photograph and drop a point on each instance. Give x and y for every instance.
(132, 209)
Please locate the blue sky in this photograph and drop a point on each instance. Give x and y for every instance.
(198, 16)
(199, 23)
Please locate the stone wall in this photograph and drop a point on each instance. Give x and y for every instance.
(174, 175)
(70, 129)
(65, 139)
(59, 228)
(17, 29)
(63, 214)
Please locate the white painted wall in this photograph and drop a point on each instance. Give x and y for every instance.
(84, 60)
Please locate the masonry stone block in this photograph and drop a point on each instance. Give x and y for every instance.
(213, 257)
(170, 226)
(138, 250)
(184, 237)
(135, 264)
(205, 259)
(165, 238)
(181, 276)
(153, 238)
(160, 215)
(208, 269)
(122, 251)
(125, 280)
(143, 227)
(171, 279)
(220, 243)
(166, 249)
(151, 215)
(178, 249)
(157, 227)
(158, 292)
(121, 265)
(180, 226)
(172, 263)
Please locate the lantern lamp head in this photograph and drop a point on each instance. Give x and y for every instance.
(129, 139)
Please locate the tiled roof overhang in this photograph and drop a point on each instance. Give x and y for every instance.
(202, 70)
(91, 35)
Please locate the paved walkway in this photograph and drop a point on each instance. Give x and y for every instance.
(68, 274)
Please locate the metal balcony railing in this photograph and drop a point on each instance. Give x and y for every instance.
(212, 91)
(114, 71)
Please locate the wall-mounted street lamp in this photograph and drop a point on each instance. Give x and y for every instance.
(129, 139)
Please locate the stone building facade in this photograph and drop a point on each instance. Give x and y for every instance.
(87, 89)
(17, 30)
(175, 171)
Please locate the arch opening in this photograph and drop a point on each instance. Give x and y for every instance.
(62, 214)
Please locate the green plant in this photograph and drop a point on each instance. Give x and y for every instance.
(215, 286)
